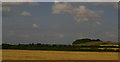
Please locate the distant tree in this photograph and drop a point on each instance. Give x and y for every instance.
(95, 40)
(39, 44)
(31, 44)
(98, 40)
(78, 41)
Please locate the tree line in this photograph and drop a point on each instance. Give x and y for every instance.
(58, 47)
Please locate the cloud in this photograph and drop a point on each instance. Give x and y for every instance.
(6, 9)
(60, 0)
(84, 14)
(98, 23)
(35, 26)
(7, 6)
(80, 13)
(18, 3)
(116, 5)
(89, 0)
(61, 35)
(17, 0)
(25, 13)
(61, 7)
(112, 4)
(56, 1)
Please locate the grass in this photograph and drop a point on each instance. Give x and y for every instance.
(57, 55)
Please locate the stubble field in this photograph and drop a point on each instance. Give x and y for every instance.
(57, 55)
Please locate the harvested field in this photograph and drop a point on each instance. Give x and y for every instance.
(57, 55)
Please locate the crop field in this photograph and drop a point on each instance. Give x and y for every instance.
(57, 55)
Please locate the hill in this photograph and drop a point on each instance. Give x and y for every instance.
(94, 42)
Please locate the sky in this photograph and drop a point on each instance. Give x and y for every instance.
(58, 22)
(60, 0)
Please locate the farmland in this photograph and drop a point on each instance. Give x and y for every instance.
(56, 55)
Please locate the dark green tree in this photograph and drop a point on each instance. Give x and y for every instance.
(85, 40)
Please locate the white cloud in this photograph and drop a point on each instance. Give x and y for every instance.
(56, 1)
(35, 26)
(6, 6)
(61, 7)
(25, 13)
(84, 14)
(80, 14)
(116, 5)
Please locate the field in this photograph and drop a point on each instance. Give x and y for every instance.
(57, 55)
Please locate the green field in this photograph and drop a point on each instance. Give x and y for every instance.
(57, 55)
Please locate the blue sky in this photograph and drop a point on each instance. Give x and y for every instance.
(59, 23)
